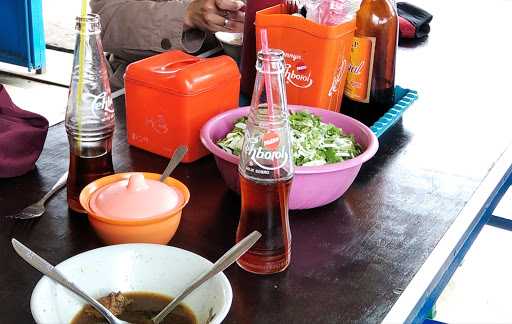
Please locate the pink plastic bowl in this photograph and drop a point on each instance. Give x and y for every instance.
(312, 186)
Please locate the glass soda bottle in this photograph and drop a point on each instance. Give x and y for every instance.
(370, 85)
(90, 113)
(266, 170)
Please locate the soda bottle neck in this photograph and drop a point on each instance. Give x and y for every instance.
(88, 25)
(269, 83)
(90, 111)
(270, 61)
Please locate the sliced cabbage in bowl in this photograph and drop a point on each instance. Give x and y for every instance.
(314, 142)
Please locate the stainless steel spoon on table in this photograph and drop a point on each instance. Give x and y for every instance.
(222, 263)
(225, 261)
(39, 208)
(176, 158)
(46, 268)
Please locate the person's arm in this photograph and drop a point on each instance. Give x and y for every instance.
(145, 25)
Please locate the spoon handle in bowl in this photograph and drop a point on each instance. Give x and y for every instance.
(46, 268)
(225, 261)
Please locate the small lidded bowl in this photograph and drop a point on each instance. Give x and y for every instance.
(134, 207)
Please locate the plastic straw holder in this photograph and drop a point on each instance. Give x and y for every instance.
(316, 56)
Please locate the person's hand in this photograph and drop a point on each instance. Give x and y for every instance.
(215, 15)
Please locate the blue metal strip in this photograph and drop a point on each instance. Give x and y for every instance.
(30, 63)
(425, 304)
(36, 36)
(431, 321)
(500, 222)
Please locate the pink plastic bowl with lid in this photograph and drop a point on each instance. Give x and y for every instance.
(313, 186)
(135, 224)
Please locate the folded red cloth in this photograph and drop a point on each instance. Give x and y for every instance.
(22, 136)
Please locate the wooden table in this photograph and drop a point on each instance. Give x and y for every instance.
(352, 259)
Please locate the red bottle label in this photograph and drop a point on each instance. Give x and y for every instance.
(271, 141)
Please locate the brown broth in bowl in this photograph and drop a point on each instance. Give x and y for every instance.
(136, 307)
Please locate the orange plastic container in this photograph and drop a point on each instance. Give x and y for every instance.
(316, 56)
(157, 229)
(171, 95)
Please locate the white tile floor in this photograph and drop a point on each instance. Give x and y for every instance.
(59, 22)
(58, 68)
(480, 289)
(46, 100)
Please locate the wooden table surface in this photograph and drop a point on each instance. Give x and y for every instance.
(352, 258)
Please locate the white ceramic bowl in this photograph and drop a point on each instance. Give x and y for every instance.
(131, 267)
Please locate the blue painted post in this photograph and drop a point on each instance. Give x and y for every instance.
(22, 40)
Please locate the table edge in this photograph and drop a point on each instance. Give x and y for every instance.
(408, 306)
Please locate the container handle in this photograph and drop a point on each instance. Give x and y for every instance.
(178, 65)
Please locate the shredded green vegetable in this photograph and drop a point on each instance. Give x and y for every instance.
(313, 142)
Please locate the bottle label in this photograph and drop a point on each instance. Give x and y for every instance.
(359, 76)
(266, 153)
(297, 72)
(102, 107)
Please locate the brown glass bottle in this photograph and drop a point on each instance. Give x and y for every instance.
(369, 90)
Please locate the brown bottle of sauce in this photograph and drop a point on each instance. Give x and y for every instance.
(369, 89)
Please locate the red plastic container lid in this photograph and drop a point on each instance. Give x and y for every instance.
(181, 73)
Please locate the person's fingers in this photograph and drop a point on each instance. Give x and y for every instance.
(230, 26)
(235, 26)
(230, 5)
(217, 23)
(238, 16)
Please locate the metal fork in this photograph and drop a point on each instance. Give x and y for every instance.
(37, 209)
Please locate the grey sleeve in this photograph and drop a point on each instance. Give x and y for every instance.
(145, 25)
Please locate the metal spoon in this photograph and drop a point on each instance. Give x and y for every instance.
(46, 268)
(39, 208)
(178, 155)
(225, 261)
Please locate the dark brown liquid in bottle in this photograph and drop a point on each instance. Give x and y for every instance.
(265, 209)
(376, 18)
(84, 170)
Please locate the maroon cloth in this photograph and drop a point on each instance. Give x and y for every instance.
(407, 29)
(22, 136)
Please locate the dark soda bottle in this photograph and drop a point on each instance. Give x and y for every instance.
(89, 113)
(266, 170)
(265, 208)
(84, 168)
(369, 89)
